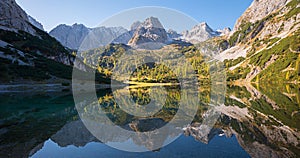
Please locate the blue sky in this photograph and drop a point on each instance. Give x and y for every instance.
(217, 13)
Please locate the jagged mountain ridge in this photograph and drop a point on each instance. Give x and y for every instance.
(73, 36)
(70, 36)
(150, 31)
(202, 32)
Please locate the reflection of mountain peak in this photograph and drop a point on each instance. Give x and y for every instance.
(202, 133)
(73, 133)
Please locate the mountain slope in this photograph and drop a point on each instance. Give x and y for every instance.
(70, 36)
(265, 50)
(35, 23)
(263, 7)
(32, 56)
(13, 17)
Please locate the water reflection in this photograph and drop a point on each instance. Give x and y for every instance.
(256, 121)
(28, 119)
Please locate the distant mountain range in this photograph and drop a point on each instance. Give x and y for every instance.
(73, 36)
(151, 30)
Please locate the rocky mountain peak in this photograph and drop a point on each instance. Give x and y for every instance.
(203, 27)
(13, 17)
(150, 31)
(70, 36)
(76, 25)
(152, 22)
(172, 34)
(258, 10)
(225, 32)
(135, 25)
(199, 33)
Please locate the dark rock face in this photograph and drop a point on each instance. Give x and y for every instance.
(13, 17)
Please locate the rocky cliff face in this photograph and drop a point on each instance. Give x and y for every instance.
(70, 36)
(13, 17)
(35, 23)
(172, 34)
(135, 25)
(125, 38)
(225, 32)
(266, 36)
(258, 10)
(150, 31)
(28, 53)
(199, 33)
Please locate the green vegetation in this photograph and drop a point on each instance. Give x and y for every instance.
(43, 55)
(28, 43)
(238, 73)
(232, 62)
(271, 41)
(285, 67)
(105, 59)
(153, 73)
(232, 102)
(239, 92)
(239, 35)
(294, 9)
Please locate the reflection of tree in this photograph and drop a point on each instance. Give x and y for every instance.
(141, 125)
(267, 125)
(262, 139)
(151, 140)
(141, 95)
(260, 129)
(29, 119)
